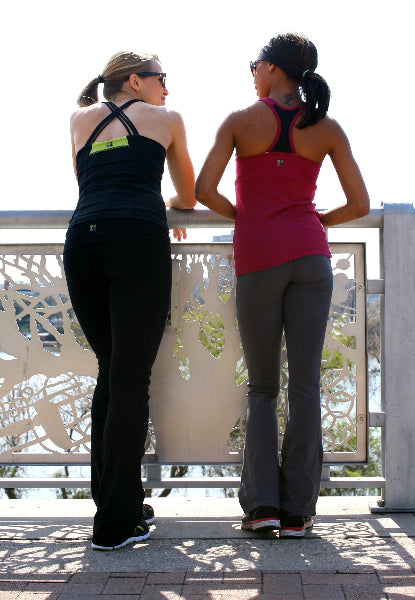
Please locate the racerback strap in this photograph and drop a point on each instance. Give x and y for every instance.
(116, 112)
(286, 118)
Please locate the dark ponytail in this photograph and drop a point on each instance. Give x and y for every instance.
(297, 57)
(316, 95)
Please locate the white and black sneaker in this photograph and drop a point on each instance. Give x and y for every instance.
(263, 518)
(141, 532)
(294, 526)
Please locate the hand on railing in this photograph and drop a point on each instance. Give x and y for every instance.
(179, 234)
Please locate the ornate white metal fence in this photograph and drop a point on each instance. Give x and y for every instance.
(198, 385)
(198, 382)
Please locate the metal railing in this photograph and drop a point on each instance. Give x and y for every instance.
(197, 392)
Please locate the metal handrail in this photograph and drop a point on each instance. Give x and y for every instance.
(194, 218)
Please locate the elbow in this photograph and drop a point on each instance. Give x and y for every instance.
(363, 209)
(202, 193)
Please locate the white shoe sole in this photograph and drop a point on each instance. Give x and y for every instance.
(263, 524)
(130, 540)
(291, 533)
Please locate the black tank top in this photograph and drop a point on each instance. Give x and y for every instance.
(120, 178)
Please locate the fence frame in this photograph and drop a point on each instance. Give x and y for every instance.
(396, 285)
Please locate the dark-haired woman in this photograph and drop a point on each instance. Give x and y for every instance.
(282, 263)
(118, 268)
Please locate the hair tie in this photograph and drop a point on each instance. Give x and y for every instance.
(305, 72)
(100, 79)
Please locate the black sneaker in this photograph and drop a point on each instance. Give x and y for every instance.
(148, 514)
(293, 525)
(263, 518)
(141, 532)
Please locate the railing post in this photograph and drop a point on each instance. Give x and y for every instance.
(399, 356)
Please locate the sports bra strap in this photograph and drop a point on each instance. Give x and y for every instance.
(123, 118)
(116, 112)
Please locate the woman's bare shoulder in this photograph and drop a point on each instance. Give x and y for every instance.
(329, 126)
(85, 113)
(253, 111)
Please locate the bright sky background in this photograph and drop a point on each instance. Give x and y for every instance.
(51, 49)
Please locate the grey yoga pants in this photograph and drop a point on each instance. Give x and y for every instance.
(294, 297)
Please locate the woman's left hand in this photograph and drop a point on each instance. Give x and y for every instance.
(179, 234)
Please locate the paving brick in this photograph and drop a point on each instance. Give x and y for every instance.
(11, 586)
(195, 576)
(397, 579)
(362, 588)
(228, 595)
(46, 586)
(95, 597)
(201, 588)
(282, 583)
(326, 592)
(247, 576)
(129, 574)
(159, 592)
(228, 587)
(384, 573)
(237, 584)
(205, 597)
(357, 570)
(124, 585)
(173, 578)
(339, 578)
(318, 571)
(88, 577)
(275, 595)
(247, 595)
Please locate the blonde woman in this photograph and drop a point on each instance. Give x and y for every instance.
(118, 268)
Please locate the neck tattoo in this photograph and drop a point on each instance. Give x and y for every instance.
(288, 98)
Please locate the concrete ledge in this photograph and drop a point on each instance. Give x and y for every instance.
(203, 534)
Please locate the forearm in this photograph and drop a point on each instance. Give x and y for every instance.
(216, 202)
(342, 214)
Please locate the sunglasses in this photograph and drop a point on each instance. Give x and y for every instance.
(161, 76)
(254, 63)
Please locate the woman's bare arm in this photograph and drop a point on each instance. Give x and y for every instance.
(215, 164)
(357, 203)
(180, 166)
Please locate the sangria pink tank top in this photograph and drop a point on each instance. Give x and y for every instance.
(276, 220)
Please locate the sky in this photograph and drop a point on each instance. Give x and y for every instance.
(51, 50)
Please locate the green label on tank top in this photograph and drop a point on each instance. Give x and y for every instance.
(110, 145)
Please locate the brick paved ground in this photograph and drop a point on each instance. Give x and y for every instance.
(388, 584)
(45, 554)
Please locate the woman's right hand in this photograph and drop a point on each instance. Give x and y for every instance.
(180, 233)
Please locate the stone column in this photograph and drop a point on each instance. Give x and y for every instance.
(399, 356)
